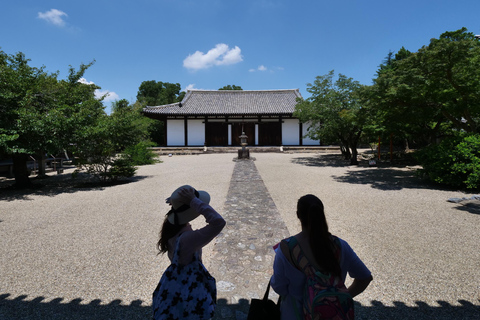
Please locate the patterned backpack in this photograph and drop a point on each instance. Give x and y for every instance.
(325, 296)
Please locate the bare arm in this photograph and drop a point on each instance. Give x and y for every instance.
(358, 286)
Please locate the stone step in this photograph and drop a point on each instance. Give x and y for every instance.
(253, 149)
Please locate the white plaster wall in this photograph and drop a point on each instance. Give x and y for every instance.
(175, 133)
(196, 132)
(308, 141)
(290, 132)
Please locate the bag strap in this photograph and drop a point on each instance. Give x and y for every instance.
(295, 253)
(265, 296)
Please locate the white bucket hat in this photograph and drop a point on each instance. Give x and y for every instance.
(181, 212)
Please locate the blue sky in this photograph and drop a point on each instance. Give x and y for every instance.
(207, 44)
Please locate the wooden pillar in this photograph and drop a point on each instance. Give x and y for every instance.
(165, 122)
(281, 130)
(205, 129)
(300, 133)
(185, 128)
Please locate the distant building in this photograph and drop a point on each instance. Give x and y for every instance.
(218, 117)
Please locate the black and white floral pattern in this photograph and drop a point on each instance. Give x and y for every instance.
(185, 292)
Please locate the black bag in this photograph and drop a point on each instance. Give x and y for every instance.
(264, 309)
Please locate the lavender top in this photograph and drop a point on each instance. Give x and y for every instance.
(195, 240)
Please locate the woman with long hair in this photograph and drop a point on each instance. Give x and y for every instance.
(310, 269)
(186, 290)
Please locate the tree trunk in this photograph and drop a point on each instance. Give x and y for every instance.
(353, 159)
(353, 145)
(407, 146)
(41, 164)
(20, 171)
(344, 148)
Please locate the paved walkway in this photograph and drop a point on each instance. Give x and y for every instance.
(243, 255)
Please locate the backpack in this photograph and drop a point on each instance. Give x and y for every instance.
(325, 296)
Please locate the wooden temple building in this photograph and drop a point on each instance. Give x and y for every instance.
(218, 118)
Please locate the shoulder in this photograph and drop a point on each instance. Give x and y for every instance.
(286, 246)
(344, 245)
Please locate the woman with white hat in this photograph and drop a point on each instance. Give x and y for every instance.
(186, 289)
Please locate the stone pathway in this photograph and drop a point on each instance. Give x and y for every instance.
(242, 258)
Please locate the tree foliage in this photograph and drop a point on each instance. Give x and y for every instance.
(100, 148)
(334, 112)
(231, 87)
(454, 162)
(153, 93)
(425, 94)
(41, 114)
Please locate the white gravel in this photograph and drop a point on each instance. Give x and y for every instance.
(100, 244)
(418, 246)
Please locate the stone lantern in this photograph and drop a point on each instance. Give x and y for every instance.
(243, 153)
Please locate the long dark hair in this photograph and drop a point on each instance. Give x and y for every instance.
(311, 213)
(168, 231)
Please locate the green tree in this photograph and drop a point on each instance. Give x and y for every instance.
(100, 149)
(425, 94)
(334, 112)
(231, 87)
(153, 93)
(455, 161)
(40, 114)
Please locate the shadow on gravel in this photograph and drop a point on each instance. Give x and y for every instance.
(337, 160)
(470, 207)
(422, 311)
(385, 179)
(14, 308)
(58, 184)
(322, 160)
(384, 176)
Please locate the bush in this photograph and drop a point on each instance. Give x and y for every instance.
(121, 167)
(454, 162)
(141, 154)
(107, 169)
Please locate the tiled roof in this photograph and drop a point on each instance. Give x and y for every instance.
(230, 102)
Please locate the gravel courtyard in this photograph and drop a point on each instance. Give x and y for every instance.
(89, 253)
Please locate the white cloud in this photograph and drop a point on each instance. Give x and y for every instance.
(190, 86)
(53, 16)
(220, 55)
(260, 68)
(109, 95)
(84, 81)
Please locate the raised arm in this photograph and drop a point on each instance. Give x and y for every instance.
(192, 241)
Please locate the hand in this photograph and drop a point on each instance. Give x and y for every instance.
(186, 195)
(358, 286)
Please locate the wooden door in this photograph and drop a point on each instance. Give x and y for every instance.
(216, 134)
(270, 134)
(249, 129)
